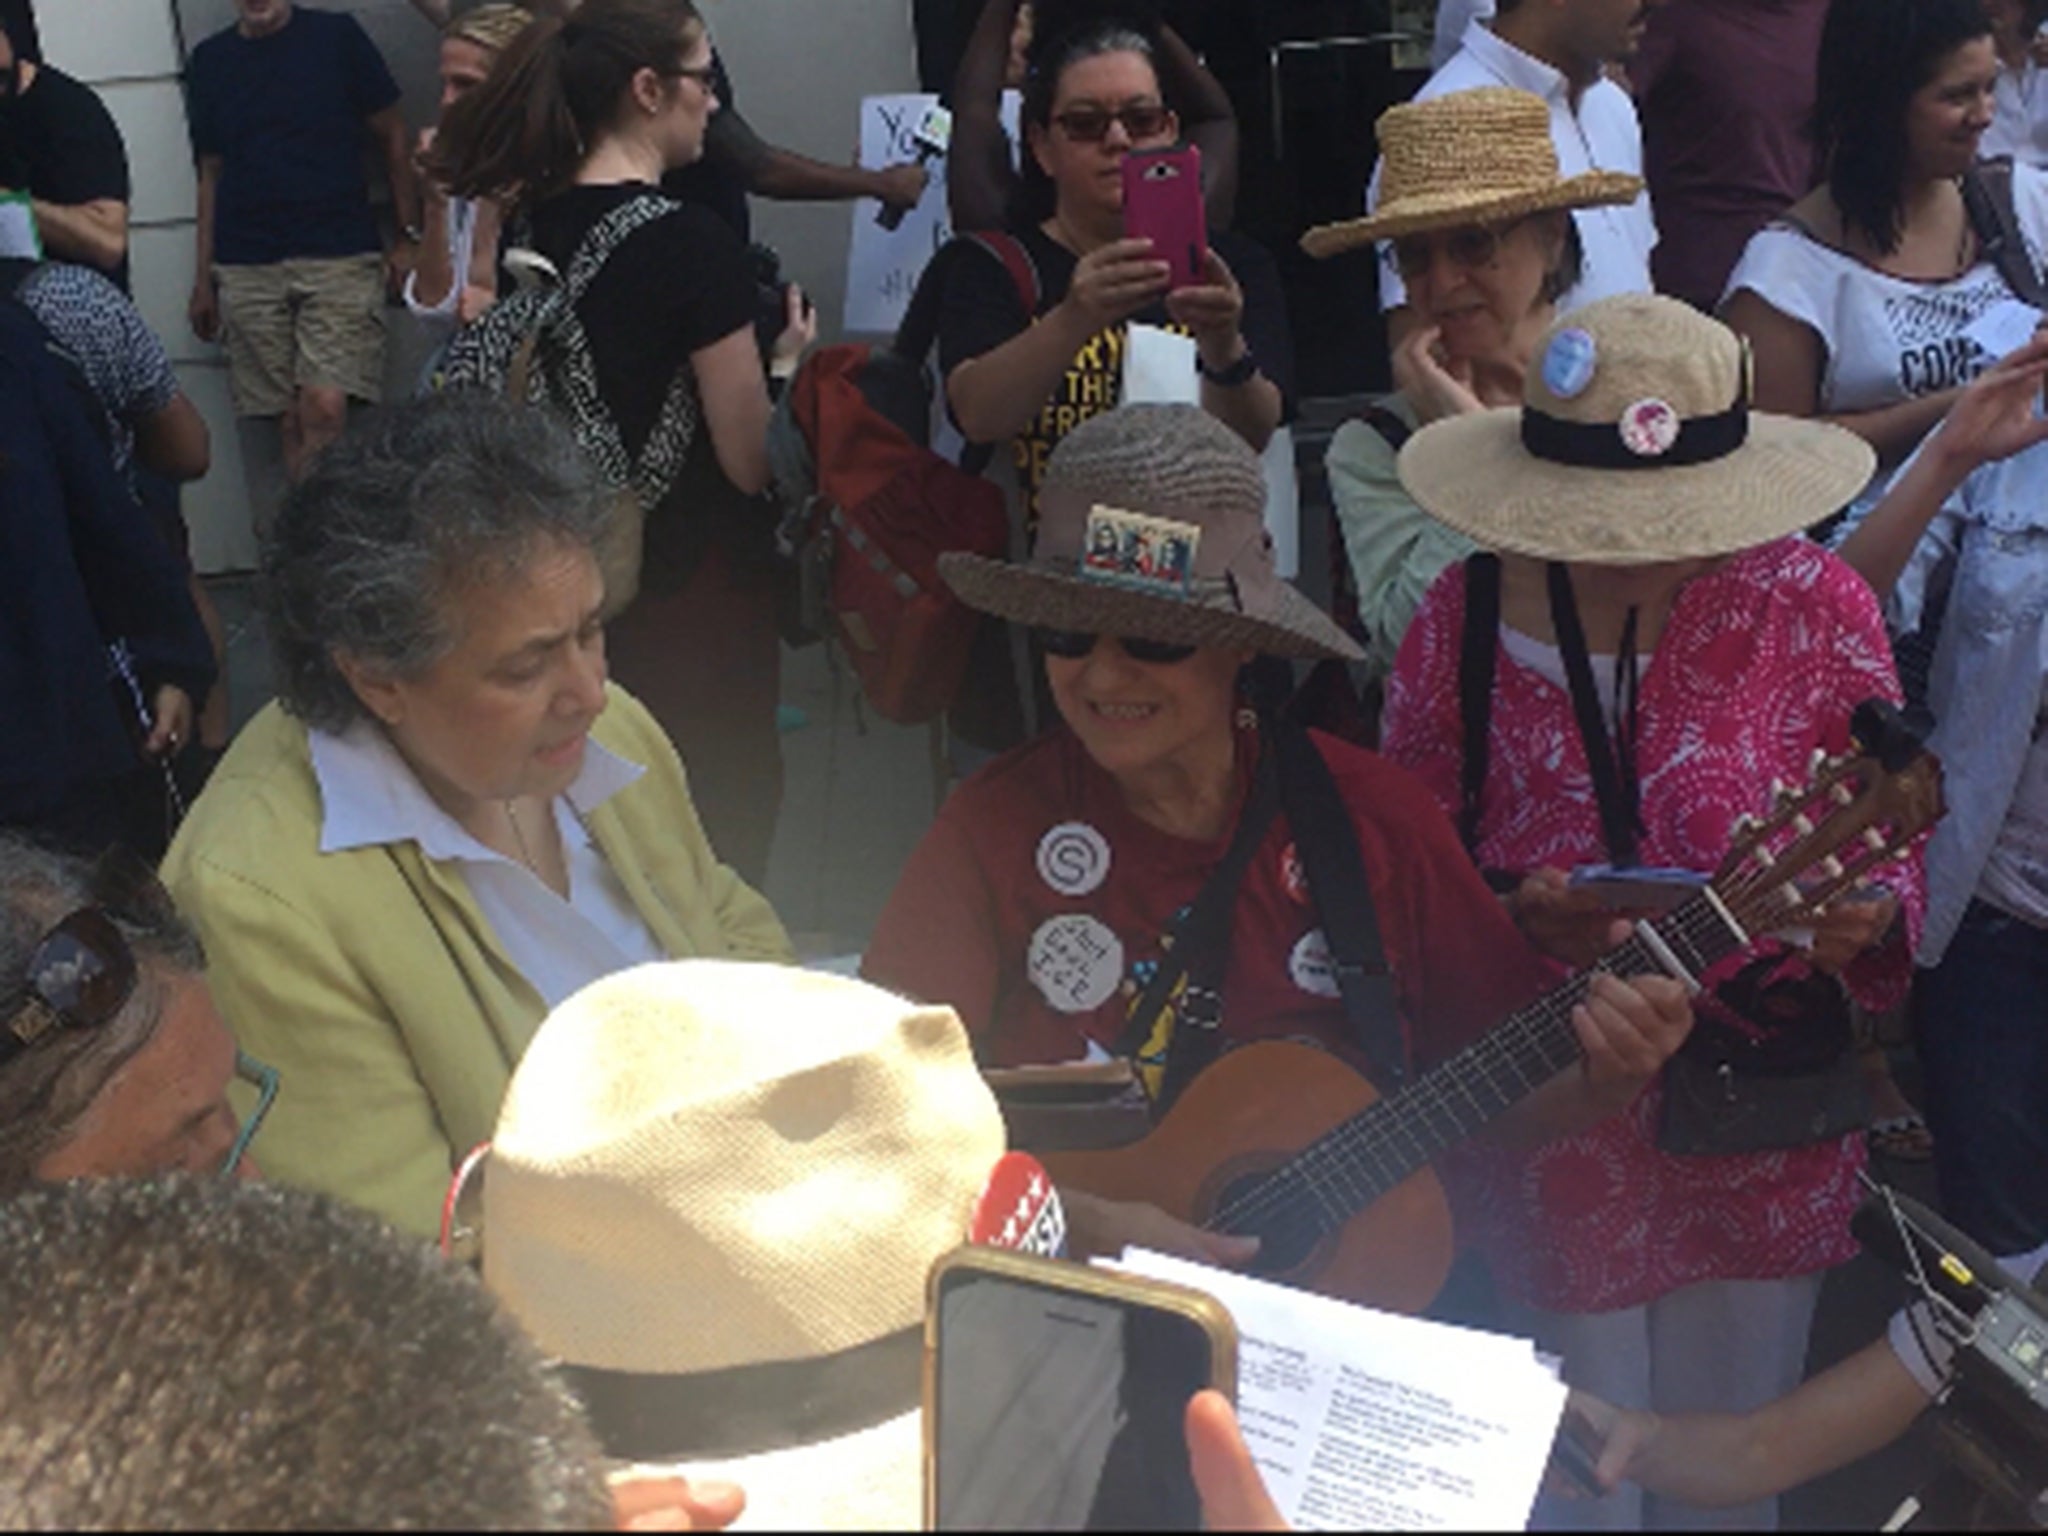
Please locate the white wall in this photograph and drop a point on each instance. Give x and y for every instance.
(800, 67)
(127, 50)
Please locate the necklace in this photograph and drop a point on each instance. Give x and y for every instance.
(519, 832)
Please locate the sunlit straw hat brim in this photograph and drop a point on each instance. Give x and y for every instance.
(1472, 474)
(1456, 207)
(1044, 596)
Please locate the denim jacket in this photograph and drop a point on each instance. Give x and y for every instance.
(1985, 685)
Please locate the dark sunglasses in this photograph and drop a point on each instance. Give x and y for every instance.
(1073, 644)
(1476, 245)
(83, 971)
(1090, 125)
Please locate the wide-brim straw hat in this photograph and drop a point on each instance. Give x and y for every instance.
(1482, 156)
(729, 1181)
(1151, 525)
(1635, 443)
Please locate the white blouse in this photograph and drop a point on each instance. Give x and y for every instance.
(370, 797)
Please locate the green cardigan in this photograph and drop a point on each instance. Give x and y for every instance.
(370, 979)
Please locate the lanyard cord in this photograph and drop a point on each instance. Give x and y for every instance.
(1610, 759)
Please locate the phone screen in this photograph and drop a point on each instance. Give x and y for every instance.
(1060, 1412)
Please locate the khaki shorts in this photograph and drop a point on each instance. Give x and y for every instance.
(305, 323)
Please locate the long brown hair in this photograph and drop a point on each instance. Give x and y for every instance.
(524, 132)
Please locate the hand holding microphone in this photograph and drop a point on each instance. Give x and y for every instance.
(932, 137)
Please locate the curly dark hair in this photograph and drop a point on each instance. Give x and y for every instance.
(1874, 54)
(414, 503)
(200, 1354)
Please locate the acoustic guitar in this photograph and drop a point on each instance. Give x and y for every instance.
(1288, 1143)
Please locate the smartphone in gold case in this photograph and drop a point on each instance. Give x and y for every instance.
(1055, 1394)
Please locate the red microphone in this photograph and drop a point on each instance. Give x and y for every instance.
(1020, 1209)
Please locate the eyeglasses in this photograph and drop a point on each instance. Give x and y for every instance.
(1090, 125)
(706, 75)
(1073, 644)
(1475, 245)
(264, 1080)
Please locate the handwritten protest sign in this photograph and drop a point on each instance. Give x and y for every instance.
(883, 265)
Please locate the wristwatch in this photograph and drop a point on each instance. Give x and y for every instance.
(1240, 372)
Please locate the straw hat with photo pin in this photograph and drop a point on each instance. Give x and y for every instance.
(714, 1194)
(1635, 443)
(1152, 526)
(1482, 156)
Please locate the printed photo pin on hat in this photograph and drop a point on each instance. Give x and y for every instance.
(1568, 363)
(1649, 428)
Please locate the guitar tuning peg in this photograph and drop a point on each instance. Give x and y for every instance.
(1803, 825)
(1831, 867)
(1741, 827)
(1873, 839)
(1763, 856)
(1818, 761)
(1843, 794)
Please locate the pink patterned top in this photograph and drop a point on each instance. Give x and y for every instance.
(1762, 659)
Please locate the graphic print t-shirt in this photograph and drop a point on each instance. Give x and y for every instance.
(982, 312)
(1887, 339)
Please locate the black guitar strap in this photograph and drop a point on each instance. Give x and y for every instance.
(1476, 657)
(1326, 840)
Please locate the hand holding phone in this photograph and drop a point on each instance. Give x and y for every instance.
(1056, 1395)
(1163, 204)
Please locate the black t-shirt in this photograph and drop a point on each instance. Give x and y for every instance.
(675, 285)
(716, 181)
(285, 113)
(59, 144)
(982, 311)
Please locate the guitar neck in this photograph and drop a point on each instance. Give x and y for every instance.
(1376, 1150)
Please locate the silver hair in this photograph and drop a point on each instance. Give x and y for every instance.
(45, 1090)
(418, 502)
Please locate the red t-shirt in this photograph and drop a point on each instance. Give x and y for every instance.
(1036, 904)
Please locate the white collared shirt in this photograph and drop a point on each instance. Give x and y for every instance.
(2019, 116)
(1599, 134)
(370, 797)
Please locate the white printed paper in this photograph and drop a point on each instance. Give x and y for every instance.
(1159, 367)
(883, 265)
(19, 238)
(1362, 1420)
(2005, 327)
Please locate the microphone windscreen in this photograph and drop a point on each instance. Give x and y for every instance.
(1020, 1209)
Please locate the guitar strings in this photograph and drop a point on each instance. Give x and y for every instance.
(1334, 1162)
(1538, 1036)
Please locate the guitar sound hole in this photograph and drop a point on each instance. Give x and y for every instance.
(1279, 1213)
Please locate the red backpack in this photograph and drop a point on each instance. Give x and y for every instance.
(875, 507)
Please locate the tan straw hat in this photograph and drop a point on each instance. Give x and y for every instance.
(1473, 157)
(715, 1192)
(1635, 443)
(1151, 525)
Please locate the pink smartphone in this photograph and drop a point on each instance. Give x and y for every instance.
(1163, 202)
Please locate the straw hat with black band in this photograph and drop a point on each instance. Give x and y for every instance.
(1140, 472)
(714, 1194)
(1482, 156)
(1635, 443)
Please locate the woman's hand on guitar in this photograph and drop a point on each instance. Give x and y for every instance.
(1574, 926)
(1848, 928)
(1105, 1228)
(1628, 1030)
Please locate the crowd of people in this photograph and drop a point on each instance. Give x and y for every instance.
(1715, 416)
